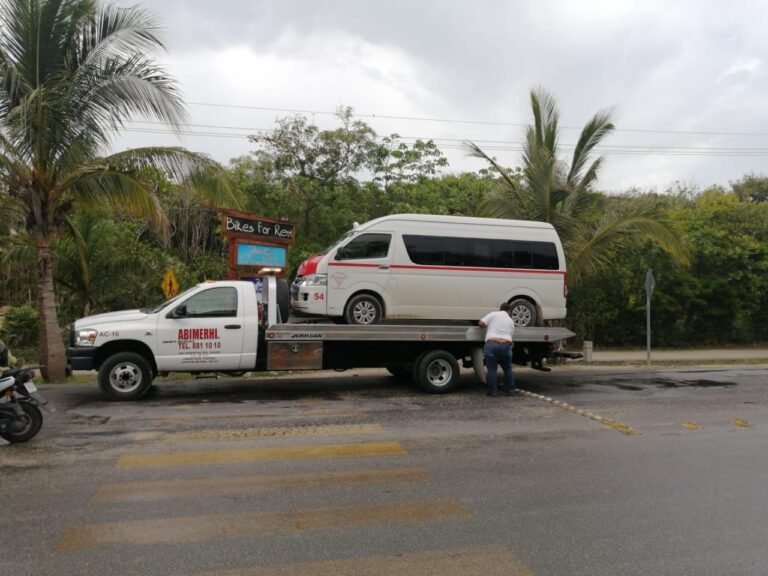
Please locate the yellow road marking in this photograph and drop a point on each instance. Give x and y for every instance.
(742, 423)
(233, 415)
(203, 528)
(482, 561)
(269, 432)
(615, 424)
(171, 489)
(308, 451)
(691, 425)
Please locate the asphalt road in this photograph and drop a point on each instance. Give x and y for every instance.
(611, 471)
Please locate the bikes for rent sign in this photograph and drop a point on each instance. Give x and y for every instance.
(257, 245)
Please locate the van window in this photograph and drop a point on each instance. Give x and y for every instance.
(545, 256)
(365, 246)
(427, 250)
(521, 254)
(481, 252)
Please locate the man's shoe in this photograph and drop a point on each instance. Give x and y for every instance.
(512, 392)
(491, 393)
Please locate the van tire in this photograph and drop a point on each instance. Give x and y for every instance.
(364, 310)
(436, 372)
(523, 312)
(125, 376)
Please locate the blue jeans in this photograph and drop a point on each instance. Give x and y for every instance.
(499, 354)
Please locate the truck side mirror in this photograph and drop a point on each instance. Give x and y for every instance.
(180, 311)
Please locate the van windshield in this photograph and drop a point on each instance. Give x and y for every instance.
(339, 241)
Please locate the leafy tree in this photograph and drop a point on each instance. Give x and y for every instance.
(20, 327)
(594, 229)
(394, 161)
(751, 188)
(71, 73)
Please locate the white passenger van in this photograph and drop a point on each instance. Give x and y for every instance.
(414, 266)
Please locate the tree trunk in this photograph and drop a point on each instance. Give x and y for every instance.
(51, 355)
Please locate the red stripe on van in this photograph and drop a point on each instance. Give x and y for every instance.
(452, 268)
(355, 265)
(477, 269)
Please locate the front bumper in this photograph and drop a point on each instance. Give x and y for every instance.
(309, 300)
(82, 357)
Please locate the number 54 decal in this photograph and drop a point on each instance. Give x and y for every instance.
(319, 296)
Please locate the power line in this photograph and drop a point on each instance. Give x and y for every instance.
(497, 145)
(476, 122)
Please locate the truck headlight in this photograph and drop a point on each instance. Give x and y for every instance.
(85, 337)
(315, 280)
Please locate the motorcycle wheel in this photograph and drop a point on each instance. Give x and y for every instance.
(26, 427)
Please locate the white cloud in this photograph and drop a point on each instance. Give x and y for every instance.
(690, 65)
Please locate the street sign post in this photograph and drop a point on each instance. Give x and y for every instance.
(650, 284)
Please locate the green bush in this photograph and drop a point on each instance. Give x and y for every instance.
(21, 327)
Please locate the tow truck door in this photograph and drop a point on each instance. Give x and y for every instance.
(204, 332)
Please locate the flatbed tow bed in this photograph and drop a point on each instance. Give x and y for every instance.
(425, 354)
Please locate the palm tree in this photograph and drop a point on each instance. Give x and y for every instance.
(72, 72)
(594, 229)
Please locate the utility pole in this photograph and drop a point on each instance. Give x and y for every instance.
(650, 284)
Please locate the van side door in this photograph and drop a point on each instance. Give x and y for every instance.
(204, 332)
(361, 264)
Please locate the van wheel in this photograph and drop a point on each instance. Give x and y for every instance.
(363, 309)
(523, 312)
(437, 372)
(125, 376)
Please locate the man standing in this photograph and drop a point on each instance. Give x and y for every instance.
(498, 348)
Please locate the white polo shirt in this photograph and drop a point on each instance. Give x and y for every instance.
(500, 326)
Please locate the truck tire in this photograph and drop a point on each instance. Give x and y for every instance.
(363, 309)
(283, 299)
(436, 372)
(523, 312)
(125, 376)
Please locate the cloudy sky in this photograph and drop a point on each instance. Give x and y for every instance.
(687, 80)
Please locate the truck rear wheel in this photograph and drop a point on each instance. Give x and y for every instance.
(437, 372)
(125, 376)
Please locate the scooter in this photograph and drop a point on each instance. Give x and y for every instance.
(20, 404)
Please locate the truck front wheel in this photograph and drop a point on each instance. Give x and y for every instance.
(125, 376)
(437, 372)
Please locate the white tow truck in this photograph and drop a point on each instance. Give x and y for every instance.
(222, 327)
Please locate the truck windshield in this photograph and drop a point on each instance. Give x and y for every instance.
(159, 307)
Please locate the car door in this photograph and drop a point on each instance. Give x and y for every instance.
(204, 332)
(361, 264)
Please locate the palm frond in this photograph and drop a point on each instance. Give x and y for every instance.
(546, 117)
(598, 127)
(99, 184)
(477, 152)
(596, 246)
(196, 172)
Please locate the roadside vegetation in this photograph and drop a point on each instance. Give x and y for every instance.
(83, 231)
